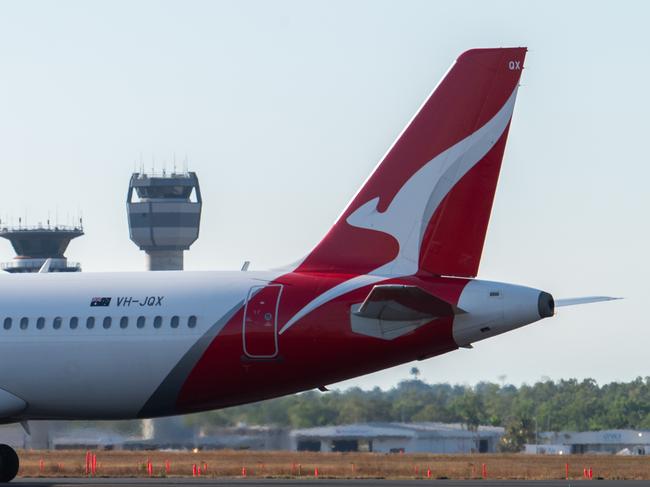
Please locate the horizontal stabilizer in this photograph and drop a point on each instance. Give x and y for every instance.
(397, 302)
(583, 300)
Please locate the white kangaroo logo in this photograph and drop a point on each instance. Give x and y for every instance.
(408, 214)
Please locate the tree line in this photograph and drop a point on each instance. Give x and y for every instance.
(544, 406)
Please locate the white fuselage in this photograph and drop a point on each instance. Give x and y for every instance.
(106, 369)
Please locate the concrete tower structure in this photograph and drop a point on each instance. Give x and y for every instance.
(164, 220)
(34, 245)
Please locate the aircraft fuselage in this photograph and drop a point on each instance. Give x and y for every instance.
(124, 345)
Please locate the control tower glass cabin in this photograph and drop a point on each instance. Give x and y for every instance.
(34, 245)
(165, 217)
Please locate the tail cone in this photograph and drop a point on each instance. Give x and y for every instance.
(546, 305)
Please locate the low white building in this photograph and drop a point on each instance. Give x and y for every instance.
(397, 438)
(547, 449)
(631, 442)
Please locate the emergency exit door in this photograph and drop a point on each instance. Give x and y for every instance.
(260, 328)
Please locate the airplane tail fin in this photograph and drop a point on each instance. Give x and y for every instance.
(426, 206)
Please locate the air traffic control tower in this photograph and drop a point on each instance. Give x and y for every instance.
(164, 219)
(164, 213)
(35, 245)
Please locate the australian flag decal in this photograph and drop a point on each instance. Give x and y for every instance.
(100, 302)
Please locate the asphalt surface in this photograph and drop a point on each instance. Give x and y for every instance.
(170, 482)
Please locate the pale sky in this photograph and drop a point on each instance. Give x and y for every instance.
(283, 108)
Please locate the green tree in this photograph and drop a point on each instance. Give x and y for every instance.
(546, 405)
(469, 409)
(518, 431)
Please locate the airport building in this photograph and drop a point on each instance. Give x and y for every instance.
(39, 248)
(398, 438)
(371, 437)
(164, 213)
(35, 245)
(66, 436)
(620, 442)
(240, 437)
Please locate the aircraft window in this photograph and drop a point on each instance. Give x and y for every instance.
(107, 323)
(157, 322)
(24, 323)
(7, 323)
(56, 324)
(74, 322)
(90, 322)
(140, 322)
(191, 321)
(175, 321)
(124, 321)
(40, 323)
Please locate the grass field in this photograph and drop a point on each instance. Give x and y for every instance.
(229, 463)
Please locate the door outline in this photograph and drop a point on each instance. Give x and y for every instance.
(251, 293)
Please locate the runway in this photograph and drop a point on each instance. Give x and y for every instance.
(171, 482)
